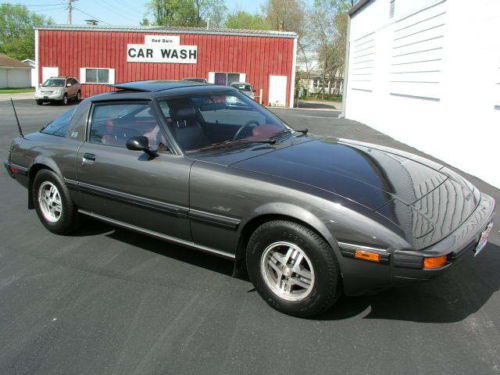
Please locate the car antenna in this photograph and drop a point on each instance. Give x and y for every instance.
(17, 119)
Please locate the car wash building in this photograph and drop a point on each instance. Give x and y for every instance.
(98, 56)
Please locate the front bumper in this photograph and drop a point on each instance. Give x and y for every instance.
(401, 267)
(461, 244)
(49, 97)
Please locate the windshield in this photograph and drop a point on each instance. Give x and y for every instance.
(54, 82)
(198, 122)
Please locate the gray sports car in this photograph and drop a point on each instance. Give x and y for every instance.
(205, 166)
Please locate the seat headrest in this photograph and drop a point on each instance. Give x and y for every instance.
(185, 113)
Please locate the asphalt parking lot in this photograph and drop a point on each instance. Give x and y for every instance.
(110, 301)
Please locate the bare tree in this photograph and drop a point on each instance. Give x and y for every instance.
(330, 31)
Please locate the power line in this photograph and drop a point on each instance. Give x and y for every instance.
(90, 15)
(111, 9)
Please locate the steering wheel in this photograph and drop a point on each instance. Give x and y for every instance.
(253, 123)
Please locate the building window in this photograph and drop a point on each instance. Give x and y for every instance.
(225, 79)
(392, 5)
(97, 75)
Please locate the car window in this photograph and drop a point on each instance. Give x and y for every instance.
(54, 82)
(115, 124)
(199, 121)
(59, 126)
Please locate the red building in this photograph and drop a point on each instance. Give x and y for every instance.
(98, 56)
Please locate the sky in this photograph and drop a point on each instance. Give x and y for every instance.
(113, 12)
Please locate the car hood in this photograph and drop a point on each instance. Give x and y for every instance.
(420, 196)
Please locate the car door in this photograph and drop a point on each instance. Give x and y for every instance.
(129, 186)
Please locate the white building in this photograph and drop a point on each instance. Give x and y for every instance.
(13, 73)
(427, 72)
(32, 63)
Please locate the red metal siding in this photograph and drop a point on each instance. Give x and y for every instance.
(256, 56)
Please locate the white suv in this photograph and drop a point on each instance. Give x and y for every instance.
(58, 89)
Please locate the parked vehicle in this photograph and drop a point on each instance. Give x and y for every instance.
(58, 89)
(200, 80)
(204, 166)
(245, 88)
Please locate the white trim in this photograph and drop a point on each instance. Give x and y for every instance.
(37, 58)
(173, 30)
(211, 77)
(111, 76)
(82, 75)
(294, 67)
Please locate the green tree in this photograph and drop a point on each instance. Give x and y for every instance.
(246, 20)
(285, 15)
(191, 13)
(16, 30)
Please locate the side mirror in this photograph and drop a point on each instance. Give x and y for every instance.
(253, 90)
(141, 143)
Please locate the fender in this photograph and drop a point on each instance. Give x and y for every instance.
(278, 210)
(40, 162)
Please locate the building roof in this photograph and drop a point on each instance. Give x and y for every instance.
(9, 62)
(359, 6)
(172, 30)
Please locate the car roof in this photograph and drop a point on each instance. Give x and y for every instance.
(144, 90)
(154, 85)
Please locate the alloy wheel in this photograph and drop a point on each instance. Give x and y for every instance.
(50, 201)
(287, 271)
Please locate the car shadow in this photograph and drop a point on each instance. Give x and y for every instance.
(177, 252)
(450, 298)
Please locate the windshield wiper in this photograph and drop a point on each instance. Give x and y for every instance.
(230, 143)
(303, 131)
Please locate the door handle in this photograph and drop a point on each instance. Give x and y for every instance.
(88, 158)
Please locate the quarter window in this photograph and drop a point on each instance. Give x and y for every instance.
(59, 126)
(115, 124)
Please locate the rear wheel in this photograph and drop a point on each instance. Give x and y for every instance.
(53, 204)
(293, 268)
(39, 102)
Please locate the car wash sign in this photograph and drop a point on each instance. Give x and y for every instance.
(162, 49)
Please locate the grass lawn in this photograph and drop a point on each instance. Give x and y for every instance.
(16, 91)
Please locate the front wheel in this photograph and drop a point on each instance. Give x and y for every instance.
(39, 102)
(293, 268)
(78, 97)
(65, 99)
(53, 204)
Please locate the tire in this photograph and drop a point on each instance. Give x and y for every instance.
(66, 220)
(65, 99)
(39, 102)
(275, 238)
(78, 97)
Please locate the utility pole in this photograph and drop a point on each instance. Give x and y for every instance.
(70, 11)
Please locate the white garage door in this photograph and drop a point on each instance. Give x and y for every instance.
(277, 90)
(49, 71)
